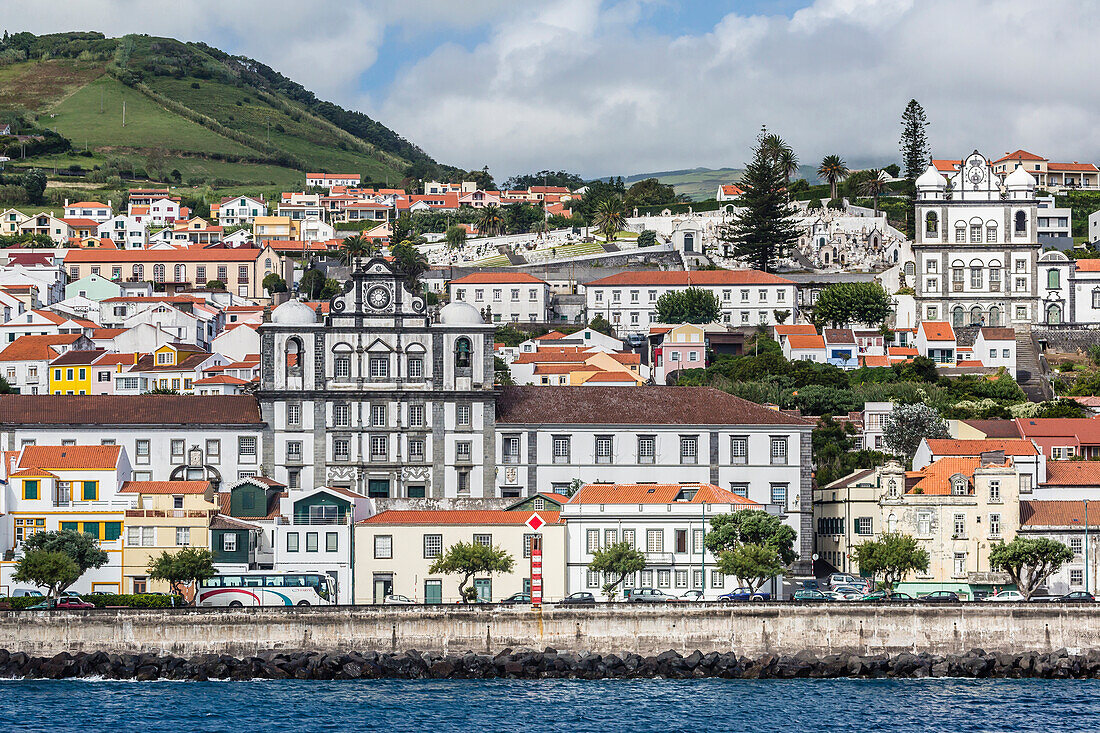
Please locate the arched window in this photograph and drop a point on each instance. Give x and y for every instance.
(1054, 278)
(990, 232)
(267, 264)
(994, 316)
(462, 352)
(893, 488)
(1096, 297)
(957, 315)
(341, 361)
(910, 269)
(931, 224)
(293, 357)
(1054, 314)
(1021, 223)
(181, 273)
(976, 316)
(960, 233)
(139, 272)
(158, 273)
(892, 523)
(958, 487)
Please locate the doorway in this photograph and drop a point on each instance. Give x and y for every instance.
(383, 586)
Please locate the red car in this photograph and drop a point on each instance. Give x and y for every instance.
(66, 602)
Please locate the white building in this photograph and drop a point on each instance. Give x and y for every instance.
(510, 297)
(127, 232)
(328, 180)
(1053, 224)
(238, 210)
(747, 297)
(93, 210)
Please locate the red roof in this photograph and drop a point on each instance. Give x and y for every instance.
(731, 189)
(87, 205)
(437, 517)
(948, 447)
(1084, 430)
(1019, 155)
(195, 254)
(693, 277)
(1088, 265)
(1073, 167)
(70, 456)
(477, 278)
(935, 478)
(875, 361)
(804, 329)
(79, 223)
(1073, 473)
(165, 487)
(223, 379)
(800, 341)
(657, 494)
(36, 348)
(1056, 514)
(937, 331)
(901, 351)
(614, 377)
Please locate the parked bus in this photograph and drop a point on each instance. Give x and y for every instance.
(267, 589)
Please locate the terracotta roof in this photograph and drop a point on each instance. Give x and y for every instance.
(901, 351)
(875, 361)
(220, 521)
(79, 223)
(1073, 473)
(76, 357)
(642, 405)
(614, 377)
(165, 487)
(440, 517)
(804, 329)
(1082, 429)
(693, 277)
(625, 358)
(1088, 265)
(1056, 514)
(552, 336)
(969, 363)
(568, 368)
(995, 428)
(656, 494)
(800, 341)
(32, 473)
(36, 348)
(1011, 447)
(1019, 155)
(86, 205)
(935, 478)
(108, 333)
(731, 190)
(998, 334)
(62, 457)
(153, 256)
(475, 278)
(839, 336)
(1073, 167)
(937, 331)
(129, 410)
(221, 379)
(945, 165)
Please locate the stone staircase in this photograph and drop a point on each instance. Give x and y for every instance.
(1029, 371)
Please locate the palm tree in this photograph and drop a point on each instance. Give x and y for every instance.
(833, 170)
(610, 217)
(874, 185)
(357, 246)
(409, 262)
(490, 221)
(788, 163)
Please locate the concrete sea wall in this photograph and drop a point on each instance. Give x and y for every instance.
(753, 630)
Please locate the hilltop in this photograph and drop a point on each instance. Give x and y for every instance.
(701, 184)
(193, 115)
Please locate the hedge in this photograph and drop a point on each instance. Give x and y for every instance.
(129, 600)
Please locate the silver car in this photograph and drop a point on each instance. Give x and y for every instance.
(397, 600)
(651, 595)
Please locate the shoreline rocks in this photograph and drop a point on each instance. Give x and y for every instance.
(550, 664)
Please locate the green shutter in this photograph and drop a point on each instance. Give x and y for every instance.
(112, 530)
(71, 526)
(30, 489)
(92, 529)
(89, 491)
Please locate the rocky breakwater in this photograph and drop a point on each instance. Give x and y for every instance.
(547, 664)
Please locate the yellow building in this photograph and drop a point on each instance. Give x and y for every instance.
(168, 516)
(273, 228)
(71, 372)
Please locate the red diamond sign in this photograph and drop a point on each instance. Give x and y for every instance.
(535, 522)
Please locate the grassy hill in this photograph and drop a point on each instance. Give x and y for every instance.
(192, 114)
(700, 184)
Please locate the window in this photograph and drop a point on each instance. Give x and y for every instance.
(1020, 223)
(995, 490)
(975, 233)
(681, 540)
(740, 489)
(697, 541)
(462, 415)
(1053, 279)
(341, 416)
(379, 448)
(140, 536)
(592, 540)
(664, 578)
(628, 537)
(462, 352)
(213, 450)
(291, 541)
(681, 578)
(717, 579)
(416, 449)
(863, 525)
(294, 414)
(340, 448)
(484, 540)
(246, 449)
(697, 579)
(416, 367)
(183, 536)
(689, 449)
(994, 525)
(779, 495)
(311, 542)
(655, 540)
(379, 367)
(510, 449)
(646, 578)
(739, 449)
(416, 416)
(1076, 576)
(294, 451)
(433, 546)
(779, 450)
(603, 449)
(463, 451)
(647, 448)
(960, 564)
(924, 523)
(976, 277)
(229, 542)
(960, 526)
(960, 234)
(141, 451)
(1077, 545)
(378, 416)
(332, 542)
(592, 579)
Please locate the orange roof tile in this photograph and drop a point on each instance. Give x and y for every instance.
(87, 205)
(615, 377)
(32, 473)
(552, 336)
(801, 341)
(36, 348)
(656, 494)
(693, 277)
(476, 278)
(1056, 514)
(935, 478)
(965, 447)
(901, 351)
(937, 331)
(1073, 473)
(439, 517)
(1019, 155)
(66, 457)
(875, 361)
(164, 487)
(803, 329)
(1088, 265)
(1073, 167)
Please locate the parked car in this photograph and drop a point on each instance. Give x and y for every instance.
(397, 600)
(516, 599)
(842, 579)
(940, 596)
(850, 592)
(745, 594)
(651, 595)
(1006, 596)
(1077, 596)
(64, 602)
(880, 595)
(26, 592)
(580, 598)
(810, 595)
(692, 595)
(811, 584)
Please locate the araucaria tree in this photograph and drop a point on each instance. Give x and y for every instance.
(693, 305)
(763, 230)
(616, 562)
(189, 565)
(1029, 561)
(470, 559)
(833, 170)
(914, 140)
(80, 548)
(892, 556)
(906, 425)
(841, 304)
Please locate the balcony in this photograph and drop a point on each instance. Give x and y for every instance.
(658, 558)
(313, 520)
(168, 513)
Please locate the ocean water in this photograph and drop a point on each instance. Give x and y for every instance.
(507, 705)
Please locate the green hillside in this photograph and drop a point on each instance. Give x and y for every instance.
(700, 184)
(191, 112)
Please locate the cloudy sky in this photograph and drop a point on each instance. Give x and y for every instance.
(631, 86)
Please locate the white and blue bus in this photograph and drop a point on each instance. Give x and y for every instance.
(267, 589)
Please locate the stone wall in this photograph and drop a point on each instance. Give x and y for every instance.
(745, 629)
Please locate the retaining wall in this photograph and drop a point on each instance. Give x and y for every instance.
(749, 629)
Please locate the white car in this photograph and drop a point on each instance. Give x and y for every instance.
(1007, 596)
(397, 600)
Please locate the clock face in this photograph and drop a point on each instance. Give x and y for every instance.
(378, 297)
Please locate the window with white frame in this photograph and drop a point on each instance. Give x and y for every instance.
(177, 449)
(294, 414)
(647, 448)
(960, 526)
(664, 578)
(697, 541)
(416, 367)
(510, 449)
(610, 537)
(433, 546)
(863, 525)
(592, 579)
(994, 525)
(294, 451)
(246, 449)
(779, 495)
(140, 536)
(739, 449)
(379, 367)
(779, 450)
(646, 578)
(416, 416)
(1076, 545)
(655, 540)
(378, 416)
(689, 449)
(379, 447)
(960, 564)
(740, 489)
(561, 449)
(681, 578)
(924, 523)
(141, 451)
(628, 537)
(341, 416)
(484, 540)
(462, 416)
(463, 451)
(994, 490)
(416, 449)
(603, 448)
(183, 536)
(340, 449)
(1076, 576)
(697, 579)
(592, 543)
(717, 579)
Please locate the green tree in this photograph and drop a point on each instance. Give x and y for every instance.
(1062, 408)
(470, 559)
(490, 222)
(601, 325)
(691, 305)
(781, 316)
(914, 140)
(892, 170)
(751, 564)
(161, 390)
(647, 238)
(34, 183)
(215, 285)
(834, 170)
(56, 571)
(650, 192)
(562, 179)
(185, 567)
(357, 246)
(763, 229)
(873, 185)
(502, 374)
(907, 425)
(1029, 561)
(844, 304)
(523, 218)
(402, 228)
(616, 561)
(311, 284)
(273, 283)
(610, 217)
(893, 556)
(410, 263)
(751, 527)
(81, 548)
(455, 236)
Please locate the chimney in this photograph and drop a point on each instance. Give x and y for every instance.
(137, 354)
(66, 203)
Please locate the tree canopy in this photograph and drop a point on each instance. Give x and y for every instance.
(273, 283)
(845, 304)
(54, 570)
(616, 561)
(915, 153)
(410, 263)
(833, 170)
(601, 325)
(906, 425)
(189, 565)
(455, 235)
(751, 564)
(470, 559)
(647, 238)
(81, 548)
(1029, 561)
(562, 179)
(691, 305)
(490, 221)
(650, 192)
(893, 556)
(610, 217)
(751, 545)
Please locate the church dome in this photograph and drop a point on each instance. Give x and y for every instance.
(931, 178)
(1019, 179)
(460, 313)
(294, 313)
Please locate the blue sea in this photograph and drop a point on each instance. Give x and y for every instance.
(507, 705)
